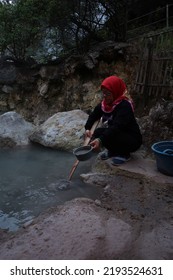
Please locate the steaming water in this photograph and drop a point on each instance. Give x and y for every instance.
(29, 183)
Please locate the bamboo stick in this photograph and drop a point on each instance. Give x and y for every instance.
(86, 142)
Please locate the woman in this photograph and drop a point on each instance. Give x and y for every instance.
(121, 134)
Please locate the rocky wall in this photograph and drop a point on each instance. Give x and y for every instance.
(39, 91)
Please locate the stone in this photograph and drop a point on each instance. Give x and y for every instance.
(79, 230)
(14, 130)
(64, 130)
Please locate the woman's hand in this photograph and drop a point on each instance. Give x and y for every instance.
(95, 144)
(88, 134)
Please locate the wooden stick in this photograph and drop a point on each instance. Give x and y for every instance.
(86, 142)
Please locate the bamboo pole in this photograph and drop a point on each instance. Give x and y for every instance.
(167, 16)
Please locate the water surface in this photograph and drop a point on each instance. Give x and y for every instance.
(29, 183)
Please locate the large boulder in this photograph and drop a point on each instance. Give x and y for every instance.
(14, 130)
(62, 131)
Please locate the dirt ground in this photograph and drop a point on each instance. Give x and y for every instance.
(131, 220)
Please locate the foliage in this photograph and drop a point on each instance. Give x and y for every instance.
(50, 28)
(116, 17)
(21, 26)
(28, 26)
(82, 22)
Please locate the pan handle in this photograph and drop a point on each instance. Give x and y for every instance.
(86, 142)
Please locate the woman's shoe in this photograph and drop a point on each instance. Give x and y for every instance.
(105, 155)
(120, 160)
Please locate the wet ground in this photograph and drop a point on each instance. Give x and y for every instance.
(131, 220)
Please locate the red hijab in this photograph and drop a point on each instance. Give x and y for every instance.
(118, 89)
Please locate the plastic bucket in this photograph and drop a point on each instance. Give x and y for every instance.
(164, 156)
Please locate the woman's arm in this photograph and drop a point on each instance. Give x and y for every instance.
(94, 116)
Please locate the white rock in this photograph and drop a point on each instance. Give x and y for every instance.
(63, 130)
(14, 130)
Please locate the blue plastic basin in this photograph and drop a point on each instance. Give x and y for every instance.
(164, 156)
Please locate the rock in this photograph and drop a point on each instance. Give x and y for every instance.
(155, 243)
(38, 91)
(137, 168)
(63, 130)
(98, 202)
(8, 74)
(7, 89)
(43, 88)
(79, 230)
(14, 130)
(157, 125)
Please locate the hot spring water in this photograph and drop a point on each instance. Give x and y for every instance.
(29, 183)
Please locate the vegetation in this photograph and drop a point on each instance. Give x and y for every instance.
(49, 28)
(29, 27)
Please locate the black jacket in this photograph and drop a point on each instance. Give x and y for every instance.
(122, 119)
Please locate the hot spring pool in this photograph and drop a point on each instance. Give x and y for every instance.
(29, 179)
